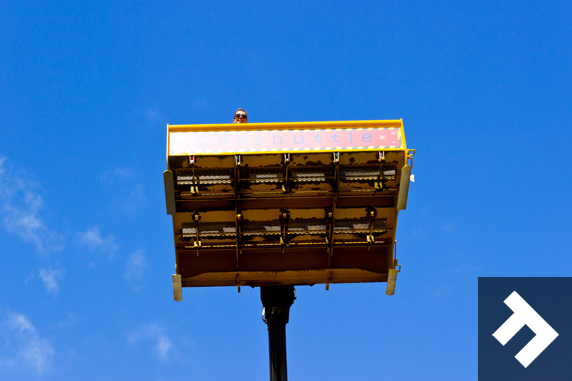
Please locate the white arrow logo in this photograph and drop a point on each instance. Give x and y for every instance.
(523, 315)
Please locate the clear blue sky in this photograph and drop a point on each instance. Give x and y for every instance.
(86, 253)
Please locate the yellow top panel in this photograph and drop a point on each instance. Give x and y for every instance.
(217, 139)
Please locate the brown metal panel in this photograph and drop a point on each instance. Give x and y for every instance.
(360, 258)
(279, 203)
(379, 201)
(214, 261)
(260, 278)
(275, 260)
(204, 205)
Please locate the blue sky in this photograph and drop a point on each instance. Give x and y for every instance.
(87, 89)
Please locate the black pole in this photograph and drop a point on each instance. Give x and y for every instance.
(276, 302)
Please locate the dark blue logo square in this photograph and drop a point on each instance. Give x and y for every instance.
(532, 317)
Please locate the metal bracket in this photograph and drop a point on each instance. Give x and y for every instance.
(177, 287)
(410, 154)
(194, 179)
(394, 253)
(336, 175)
(378, 183)
(169, 192)
(238, 235)
(371, 213)
(196, 218)
(285, 182)
(238, 163)
(284, 217)
(330, 215)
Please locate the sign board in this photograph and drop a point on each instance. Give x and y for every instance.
(330, 140)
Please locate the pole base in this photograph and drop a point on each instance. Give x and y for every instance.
(276, 301)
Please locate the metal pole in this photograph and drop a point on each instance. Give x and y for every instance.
(276, 302)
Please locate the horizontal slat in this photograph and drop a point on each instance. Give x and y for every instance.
(267, 278)
(288, 203)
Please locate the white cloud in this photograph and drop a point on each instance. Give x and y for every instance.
(51, 278)
(93, 240)
(25, 346)
(153, 333)
(20, 207)
(135, 269)
(163, 346)
(30, 277)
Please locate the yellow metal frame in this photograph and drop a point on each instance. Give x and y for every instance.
(325, 276)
